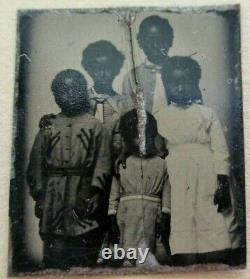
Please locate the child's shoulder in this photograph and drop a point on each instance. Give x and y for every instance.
(157, 162)
(116, 96)
(88, 119)
(206, 111)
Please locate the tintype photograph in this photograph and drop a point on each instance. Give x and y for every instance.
(128, 150)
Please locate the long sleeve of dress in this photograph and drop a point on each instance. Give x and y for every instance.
(102, 168)
(36, 166)
(166, 193)
(114, 197)
(219, 147)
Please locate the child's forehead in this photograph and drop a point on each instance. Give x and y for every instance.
(154, 29)
(102, 58)
(179, 72)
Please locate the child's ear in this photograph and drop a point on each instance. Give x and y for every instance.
(139, 41)
(82, 63)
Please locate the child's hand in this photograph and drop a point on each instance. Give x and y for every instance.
(114, 232)
(165, 225)
(163, 229)
(93, 205)
(121, 160)
(39, 209)
(45, 121)
(222, 195)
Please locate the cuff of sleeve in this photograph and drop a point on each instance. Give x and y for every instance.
(37, 194)
(111, 212)
(166, 210)
(222, 170)
(222, 167)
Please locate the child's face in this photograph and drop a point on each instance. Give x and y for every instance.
(102, 73)
(155, 44)
(179, 84)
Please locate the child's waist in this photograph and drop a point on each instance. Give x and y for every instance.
(149, 197)
(186, 148)
(64, 171)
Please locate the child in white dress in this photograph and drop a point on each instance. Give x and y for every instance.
(198, 165)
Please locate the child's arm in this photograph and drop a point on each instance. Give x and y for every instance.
(222, 166)
(102, 169)
(166, 211)
(219, 147)
(113, 206)
(35, 167)
(46, 120)
(114, 196)
(166, 194)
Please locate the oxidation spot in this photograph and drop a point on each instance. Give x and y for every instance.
(229, 81)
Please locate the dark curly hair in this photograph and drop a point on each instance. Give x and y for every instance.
(66, 81)
(69, 79)
(102, 47)
(191, 68)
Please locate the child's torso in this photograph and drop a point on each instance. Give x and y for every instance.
(71, 141)
(142, 176)
(184, 126)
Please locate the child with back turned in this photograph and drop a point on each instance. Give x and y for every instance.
(67, 175)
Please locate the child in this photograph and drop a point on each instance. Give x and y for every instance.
(142, 189)
(198, 165)
(155, 38)
(103, 63)
(67, 175)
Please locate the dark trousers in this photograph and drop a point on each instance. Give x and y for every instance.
(65, 252)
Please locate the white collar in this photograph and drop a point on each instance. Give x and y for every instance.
(152, 66)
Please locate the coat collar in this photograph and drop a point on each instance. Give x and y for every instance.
(94, 96)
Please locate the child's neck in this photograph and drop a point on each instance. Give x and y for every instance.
(158, 61)
(182, 105)
(145, 155)
(107, 89)
(73, 113)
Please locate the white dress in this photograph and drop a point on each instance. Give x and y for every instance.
(197, 153)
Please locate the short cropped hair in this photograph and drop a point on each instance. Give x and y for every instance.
(102, 47)
(185, 63)
(156, 20)
(191, 67)
(68, 79)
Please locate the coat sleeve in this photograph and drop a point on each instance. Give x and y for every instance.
(116, 140)
(219, 147)
(166, 193)
(102, 166)
(128, 89)
(114, 196)
(35, 168)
